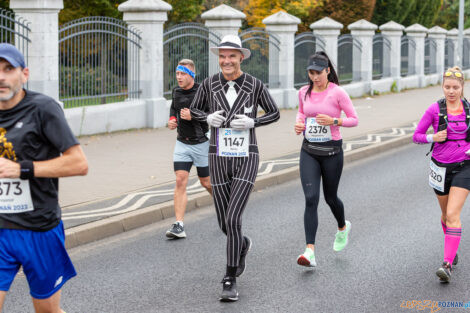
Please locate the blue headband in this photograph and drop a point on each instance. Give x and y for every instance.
(184, 69)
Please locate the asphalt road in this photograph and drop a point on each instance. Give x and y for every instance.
(395, 247)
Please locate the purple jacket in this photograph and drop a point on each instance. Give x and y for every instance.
(449, 151)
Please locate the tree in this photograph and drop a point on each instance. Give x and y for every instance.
(257, 10)
(184, 11)
(74, 9)
(448, 16)
(407, 12)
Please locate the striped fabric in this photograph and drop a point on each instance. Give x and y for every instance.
(232, 178)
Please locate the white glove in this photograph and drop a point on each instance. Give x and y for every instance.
(216, 119)
(242, 122)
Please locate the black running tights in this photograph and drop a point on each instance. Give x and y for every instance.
(312, 170)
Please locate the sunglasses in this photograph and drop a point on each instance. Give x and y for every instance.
(456, 74)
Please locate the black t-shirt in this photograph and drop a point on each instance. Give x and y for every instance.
(36, 130)
(189, 132)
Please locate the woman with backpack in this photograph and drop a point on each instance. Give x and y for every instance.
(450, 162)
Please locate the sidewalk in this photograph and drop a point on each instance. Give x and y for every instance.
(132, 160)
(131, 179)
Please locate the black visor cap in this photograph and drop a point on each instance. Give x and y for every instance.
(317, 64)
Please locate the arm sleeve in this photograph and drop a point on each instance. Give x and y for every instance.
(347, 107)
(266, 102)
(172, 107)
(55, 127)
(300, 114)
(419, 135)
(200, 105)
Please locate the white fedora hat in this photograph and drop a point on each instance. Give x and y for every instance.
(231, 42)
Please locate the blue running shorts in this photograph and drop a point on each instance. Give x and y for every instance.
(197, 154)
(45, 261)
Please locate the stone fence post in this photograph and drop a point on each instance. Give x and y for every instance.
(223, 20)
(453, 35)
(438, 34)
(149, 17)
(44, 48)
(284, 26)
(363, 31)
(393, 32)
(417, 33)
(328, 30)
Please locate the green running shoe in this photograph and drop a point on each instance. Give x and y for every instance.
(341, 239)
(307, 259)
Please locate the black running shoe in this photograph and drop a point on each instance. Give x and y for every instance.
(242, 263)
(176, 231)
(444, 272)
(229, 291)
(456, 260)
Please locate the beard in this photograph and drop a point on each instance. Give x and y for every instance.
(11, 94)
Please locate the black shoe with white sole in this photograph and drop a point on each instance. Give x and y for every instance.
(229, 289)
(444, 272)
(242, 263)
(176, 231)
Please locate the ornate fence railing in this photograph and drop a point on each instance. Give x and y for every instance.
(99, 59)
(408, 50)
(430, 50)
(380, 56)
(346, 46)
(264, 60)
(305, 45)
(187, 41)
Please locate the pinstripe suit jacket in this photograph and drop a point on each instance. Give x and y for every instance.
(252, 94)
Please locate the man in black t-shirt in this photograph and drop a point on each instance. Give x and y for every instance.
(192, 144)
(36, 147)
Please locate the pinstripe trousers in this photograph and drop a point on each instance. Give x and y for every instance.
(232, 180)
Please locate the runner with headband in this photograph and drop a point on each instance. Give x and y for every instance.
(321, 156)
(192, 145)
(233, 98)
(36, 147)
(450, 162)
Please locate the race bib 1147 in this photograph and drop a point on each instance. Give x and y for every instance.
(233, 143)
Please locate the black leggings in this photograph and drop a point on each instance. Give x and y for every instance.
(312, 169)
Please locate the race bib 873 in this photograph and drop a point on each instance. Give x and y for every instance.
(15, 196)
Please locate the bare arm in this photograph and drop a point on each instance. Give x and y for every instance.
(71, 163)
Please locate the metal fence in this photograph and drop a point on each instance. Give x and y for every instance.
(305, 45)
(430, 50)
(449, 54)
(15, 30)
(466, 54)
(99, 60)
(380, 56)
(187, 41)
(408, 50)
(347, 46)
(264, 60)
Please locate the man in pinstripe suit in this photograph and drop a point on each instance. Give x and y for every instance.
(233, 98)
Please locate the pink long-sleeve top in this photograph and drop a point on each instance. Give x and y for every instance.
(451, 151)
(330, 101)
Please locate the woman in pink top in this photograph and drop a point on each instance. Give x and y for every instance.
(321, 156)
(450, 162)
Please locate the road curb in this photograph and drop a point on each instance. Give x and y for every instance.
(114, 225)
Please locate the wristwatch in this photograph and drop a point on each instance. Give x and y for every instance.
(335, 121)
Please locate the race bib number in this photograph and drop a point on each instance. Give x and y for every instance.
(15, 196)
(437, 176)
(232, 143)
(315, 132)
